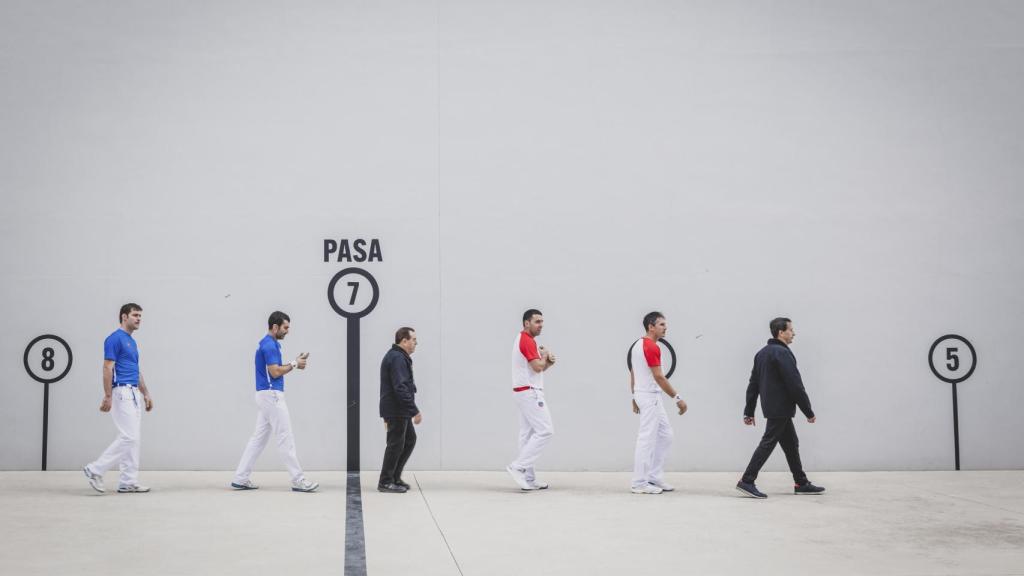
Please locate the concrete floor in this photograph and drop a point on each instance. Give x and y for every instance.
(478, 523)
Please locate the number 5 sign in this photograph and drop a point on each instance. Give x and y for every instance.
(953, 359)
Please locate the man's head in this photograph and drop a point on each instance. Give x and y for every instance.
(405, 339)
(655, 325)
(278, 324)
(782, 329)
(533, 322)
(130, 316)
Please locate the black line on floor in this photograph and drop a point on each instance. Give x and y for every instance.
(432, 517)
(355, 540)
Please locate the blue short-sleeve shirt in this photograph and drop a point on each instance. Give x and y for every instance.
(124, 351)
(268, 354)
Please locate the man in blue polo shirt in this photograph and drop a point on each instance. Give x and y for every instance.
(124, 395)
(273, 412)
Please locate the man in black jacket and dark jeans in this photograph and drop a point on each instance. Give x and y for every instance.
(398, 409)
(776, 379)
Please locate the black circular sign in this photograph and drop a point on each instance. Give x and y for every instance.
(671, 353)
(947, 359)
(354, 306)
(42, 360)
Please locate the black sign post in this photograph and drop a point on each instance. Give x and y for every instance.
(45, 366)
(946, 359)
(354, 305)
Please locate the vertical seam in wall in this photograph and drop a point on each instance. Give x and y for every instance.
(440, 272)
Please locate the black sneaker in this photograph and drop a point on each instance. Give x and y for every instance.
(403, 484)
(391, 488)
(808, 488)
(748, 489)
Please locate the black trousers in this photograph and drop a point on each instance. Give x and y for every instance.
(777, 431)
(401, 441)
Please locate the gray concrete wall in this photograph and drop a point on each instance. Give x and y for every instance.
(853, 165)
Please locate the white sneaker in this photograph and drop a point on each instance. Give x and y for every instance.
(665, 486)
(305, 486)
(132, 489)
(646, 489)
(539, 485)
(247, 485)
(519, 476)
(95, 480)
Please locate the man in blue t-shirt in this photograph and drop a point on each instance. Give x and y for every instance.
(273, 414)
(124, 394)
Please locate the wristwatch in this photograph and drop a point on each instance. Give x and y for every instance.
(677, 398)
(294, 364)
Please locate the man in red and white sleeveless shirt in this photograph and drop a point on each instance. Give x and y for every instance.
(646, 383)
(535, 429)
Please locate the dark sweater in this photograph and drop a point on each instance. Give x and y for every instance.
(776, 379)
(397, 388)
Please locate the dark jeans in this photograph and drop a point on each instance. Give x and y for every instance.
(777, 431)
(401, 441)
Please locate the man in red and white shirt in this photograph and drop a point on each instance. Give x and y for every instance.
(535, 429)
(646, 383)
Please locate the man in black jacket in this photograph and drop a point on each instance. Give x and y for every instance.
(776, 379)
(398, 409)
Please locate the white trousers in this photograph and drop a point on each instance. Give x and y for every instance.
(652, 440)
(535, 429)
(272, 418)
(126, 406)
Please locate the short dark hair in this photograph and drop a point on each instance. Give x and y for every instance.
(403, 333)
(652, 318)
(126, 310)
(529, 314)
(778, 325)
(277, 318)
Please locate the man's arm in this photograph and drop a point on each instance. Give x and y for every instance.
(632, 386)
(278, 370)
(752, 392)
(145, 392)
(662, 382)
(793, 383)
(546, 360)
(108, 385)
(401, 383)
(667, 388)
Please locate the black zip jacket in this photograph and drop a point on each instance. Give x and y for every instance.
(397, 388)
(776, 379)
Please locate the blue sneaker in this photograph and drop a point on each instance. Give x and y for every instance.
(748, 489)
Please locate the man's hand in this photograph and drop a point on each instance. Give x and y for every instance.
(546, 356)
(682, 407)
(636, 409)
(749, 421)
(149, 403)
(417, 418)
(301, 360)
(812, 419)
(105, 405)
